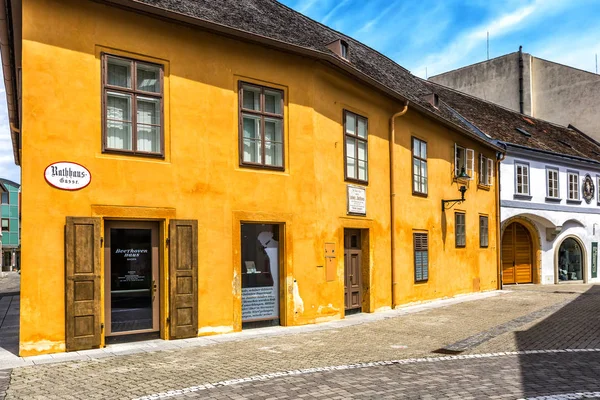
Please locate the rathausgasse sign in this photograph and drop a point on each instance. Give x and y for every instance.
(67, 175)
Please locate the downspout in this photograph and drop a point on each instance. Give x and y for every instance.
(392, 198)
(499, 157)
(521, 103)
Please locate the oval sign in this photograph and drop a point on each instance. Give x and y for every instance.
(67, 175)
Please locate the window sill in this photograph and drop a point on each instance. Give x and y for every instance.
(357, 181)
(522, 196)
(573, 201)
(553, 199)
(421, 282)
(134, 153)
(483, 187)
(419, 194)
(262, 167)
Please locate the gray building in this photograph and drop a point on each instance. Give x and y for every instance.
(536, 87)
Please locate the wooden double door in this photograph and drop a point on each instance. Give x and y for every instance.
(352, 270)
(517, 255)
(131, 274)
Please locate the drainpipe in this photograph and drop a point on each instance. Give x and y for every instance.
(521, 103)
(392, 202)
(499, 157)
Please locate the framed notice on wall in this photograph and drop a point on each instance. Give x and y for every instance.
(357, 200)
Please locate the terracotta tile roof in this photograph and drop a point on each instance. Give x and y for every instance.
(511, 127)
(273, 20)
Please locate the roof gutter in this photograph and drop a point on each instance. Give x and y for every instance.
(10, 76)
(143, 8)
(581, 159)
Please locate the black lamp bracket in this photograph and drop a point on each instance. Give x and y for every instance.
(448, 204)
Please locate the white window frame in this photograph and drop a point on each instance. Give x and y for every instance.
(575, 186)
(548, 192)
(467, 161)
(486, 171)
(519, 188)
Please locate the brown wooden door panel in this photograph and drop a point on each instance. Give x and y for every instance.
(352, 269)
(516, 255)
(183, 278)
(82, 286)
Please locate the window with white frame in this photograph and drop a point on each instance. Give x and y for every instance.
(486, 170)
(419, 166)
(464, 161)
(573, 185)
(522, 177)
(552, 183)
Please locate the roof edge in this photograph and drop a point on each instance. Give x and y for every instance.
(143, 8)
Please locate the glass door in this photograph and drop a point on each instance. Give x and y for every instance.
(131, 277)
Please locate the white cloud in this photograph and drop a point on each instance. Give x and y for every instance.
(459, 51)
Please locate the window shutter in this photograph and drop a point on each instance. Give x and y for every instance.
(421, 253)
(490, 171)
(456, 166)
(82, 285)
(183, 278)
(470, 163)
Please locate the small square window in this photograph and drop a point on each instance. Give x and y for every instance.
(5, 198)
(5, 224)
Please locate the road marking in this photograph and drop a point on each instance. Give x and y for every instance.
(274, 375)
(567, 396)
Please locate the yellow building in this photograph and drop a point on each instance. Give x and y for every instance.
(187, 171)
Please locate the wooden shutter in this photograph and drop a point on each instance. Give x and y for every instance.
(421, 254)
(470, 162)
(82, 286)
(183, 278)
(490, 171)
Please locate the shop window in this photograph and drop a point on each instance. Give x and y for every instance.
(552, 183)
(464, 161)
(261, 126)
(421, 254)
(573, 185)
(522, 178)
(260, 272)
(486, 171)
(419, 151)
(5, 198)
(5, 224)
(355, 147)
(570, 261)
(483, 231)
(459, 230)
(133, 106)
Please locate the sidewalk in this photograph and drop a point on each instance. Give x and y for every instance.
(9, 359)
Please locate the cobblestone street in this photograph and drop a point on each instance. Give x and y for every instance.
(465, 343)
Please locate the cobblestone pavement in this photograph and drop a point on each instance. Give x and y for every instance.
(528, 318)
(10, 283)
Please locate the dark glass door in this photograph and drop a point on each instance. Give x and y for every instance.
(132, 282)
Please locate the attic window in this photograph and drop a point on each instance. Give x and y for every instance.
(565, 143)
(523, 132)
(344, 49)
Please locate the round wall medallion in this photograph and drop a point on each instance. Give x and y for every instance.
(588, 189)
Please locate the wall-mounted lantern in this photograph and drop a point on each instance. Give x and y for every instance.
(462, 190)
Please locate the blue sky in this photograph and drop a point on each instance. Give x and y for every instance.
(439, 35)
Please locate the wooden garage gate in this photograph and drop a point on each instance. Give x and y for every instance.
(517, 255)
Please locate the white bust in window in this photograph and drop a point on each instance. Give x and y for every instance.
(271, 247)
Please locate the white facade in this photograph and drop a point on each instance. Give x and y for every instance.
(554, 220)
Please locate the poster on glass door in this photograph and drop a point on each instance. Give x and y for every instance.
(260, 272)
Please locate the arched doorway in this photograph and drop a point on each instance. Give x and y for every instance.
(517, 255)
(570, 261)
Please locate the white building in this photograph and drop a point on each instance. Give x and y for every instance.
(549, 180)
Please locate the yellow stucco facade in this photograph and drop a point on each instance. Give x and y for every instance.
(200, 177)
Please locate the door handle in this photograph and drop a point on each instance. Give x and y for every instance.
(153, 290)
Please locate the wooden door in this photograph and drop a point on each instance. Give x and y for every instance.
(516, 255)
(183, 278)
(352, 269)
(82, 286)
